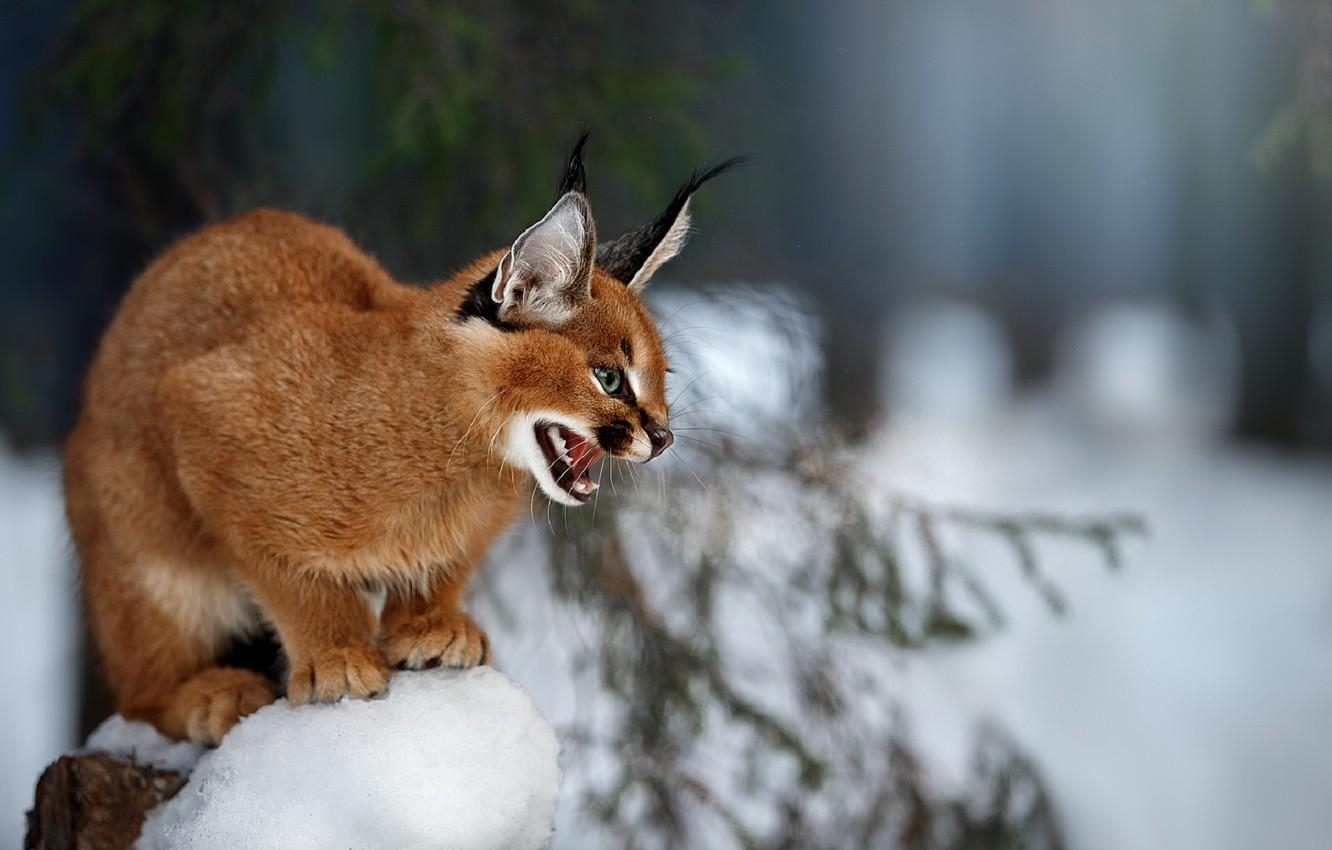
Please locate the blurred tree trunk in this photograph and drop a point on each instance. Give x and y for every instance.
(852, 353)
(1273, 312)
(841, 200)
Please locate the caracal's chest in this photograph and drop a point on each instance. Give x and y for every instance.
(447, 529)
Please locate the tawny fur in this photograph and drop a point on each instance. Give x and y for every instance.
(275, 430)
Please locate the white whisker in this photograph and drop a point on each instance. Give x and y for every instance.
(448, 466)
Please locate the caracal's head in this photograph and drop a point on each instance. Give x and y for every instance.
(582, 370)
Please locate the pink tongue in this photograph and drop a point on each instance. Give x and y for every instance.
(580, 452)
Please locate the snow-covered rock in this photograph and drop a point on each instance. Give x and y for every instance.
(457, 759)
(1149, 373)
(946, 360)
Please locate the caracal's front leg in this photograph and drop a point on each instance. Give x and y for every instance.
(420, 630)
(327, 629)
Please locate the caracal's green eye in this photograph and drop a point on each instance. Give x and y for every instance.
(610, 379)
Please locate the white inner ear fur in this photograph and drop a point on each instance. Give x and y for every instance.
(667, 248)
(548, 271)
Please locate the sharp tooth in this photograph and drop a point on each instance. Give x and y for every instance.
(584, 485)
(556, 440)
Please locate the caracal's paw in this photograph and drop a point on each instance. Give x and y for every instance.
(208, 705)
(327, 675)
(448, 638)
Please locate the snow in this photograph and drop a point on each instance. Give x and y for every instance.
(140, 743)
(1177, 705)
(458, 759)
(1182, 702)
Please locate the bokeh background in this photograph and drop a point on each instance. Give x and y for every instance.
(1004, 377)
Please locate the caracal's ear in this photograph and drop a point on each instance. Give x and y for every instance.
(634, 257)
(547, 273)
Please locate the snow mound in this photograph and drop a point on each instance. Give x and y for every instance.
(458, 759)
(142, 744)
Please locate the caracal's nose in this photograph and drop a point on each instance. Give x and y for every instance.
(661, 439)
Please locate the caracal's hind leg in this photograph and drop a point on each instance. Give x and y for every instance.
(161, 628)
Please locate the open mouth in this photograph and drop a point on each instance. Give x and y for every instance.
(568, 457)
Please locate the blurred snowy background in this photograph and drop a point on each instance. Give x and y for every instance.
(1032, 260)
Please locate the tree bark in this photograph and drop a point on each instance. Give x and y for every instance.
(95, 802)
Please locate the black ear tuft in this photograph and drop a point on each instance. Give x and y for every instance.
(698, 178)
(575, 177)
(627, 253)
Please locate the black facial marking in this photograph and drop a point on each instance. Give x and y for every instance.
(478, 304)
(616, 436)
(628, 352)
